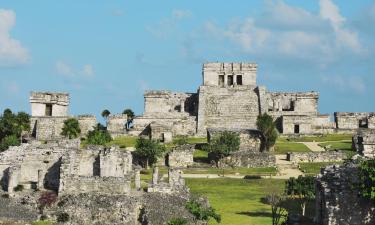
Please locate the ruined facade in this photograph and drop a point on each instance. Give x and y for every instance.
(49, 110)
(116, 124)
(230, 98)
(354, 120)
(364, 143)
(181, 156)
(337, 201)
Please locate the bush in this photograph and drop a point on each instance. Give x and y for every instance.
(18, 188)
(223, 144)
(63, 217)
(148, 151)
(178, 221)
(367, 179)
(98, 136)
(8, 141)
(202, 213)
(71, 128)
(267, 126)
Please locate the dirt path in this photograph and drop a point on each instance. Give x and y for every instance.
(286, 168)
(314, 146)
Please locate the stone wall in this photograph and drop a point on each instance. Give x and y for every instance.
(337, 201)
(161, 132)
(364, 143)
(181, 156)
(94, 170)
(296, 124)
(86, 123)
(280, 103)
(245, 159)
(116, 124)
(233, 108)
(355, 120)
(327, 156)
(250, 140)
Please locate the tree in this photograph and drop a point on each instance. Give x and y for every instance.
(367, 179)
(302, 189)
(275, 200)
(130, 115)
(98, 136)
(178, 221)
(224, 144)
(202, 213)
(106, 113)
(11, 128)
(266, 125)
(71, 128)
(148, 151)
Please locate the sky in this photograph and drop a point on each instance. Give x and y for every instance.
(107, 53)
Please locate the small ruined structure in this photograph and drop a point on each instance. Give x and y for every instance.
(116, 125)
(354, 120)
(49, 110)
(364, 143)
(175, 184)
(229, 97)
(251, 153)
(181, 156)
(337, 201)
(327, 156)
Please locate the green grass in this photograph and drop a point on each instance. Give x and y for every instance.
(238, 201)
(322, 138)
(263, 171)
(332, 145)
(314, 168)
(285, 147)
(196, 140)
(123, 142)
(42, 222)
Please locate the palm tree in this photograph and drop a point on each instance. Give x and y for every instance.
(130, 115)
(106, 113)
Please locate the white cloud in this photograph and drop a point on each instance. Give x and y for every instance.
(12, 53)
(68, 71)
(346, 83)
(181, 14)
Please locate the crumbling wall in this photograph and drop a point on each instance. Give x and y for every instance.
(245, 159)
(337, 200)
(297, 124)
(354, 120)
(161, 132)
(86, 123)
(116, 124)
(59, 103)
(327, 156)
(297, 102)
(364, 143)
(181, 156)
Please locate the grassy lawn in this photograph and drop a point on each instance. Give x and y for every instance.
(285, 147)
(314, 168)
(196, 140)
(123, 142)
(238, 201)
(341, 145)
(229, 171)
(322, 138)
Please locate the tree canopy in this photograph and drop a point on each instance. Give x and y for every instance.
(11, 128)
(301, 189)
(105, 113)
(71, 128)
(148, 151)
(367, 179)
(267, 126)
(98, 136)
(130, 115)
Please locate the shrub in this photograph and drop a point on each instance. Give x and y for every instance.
(223, 144)
(63, 217)
(98, 136)
(71, 128)
(367, 179)
(266, 125)
(180, 140)
(148, 151)
(8, 141)
(202, 213)
(302, 189)
(18, 188)
(178, 221)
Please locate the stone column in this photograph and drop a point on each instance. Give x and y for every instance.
(40, 184)
(182, 106)
(137, 180)
(12, 180)
(155, 175)
(234, 79)
(225, 80)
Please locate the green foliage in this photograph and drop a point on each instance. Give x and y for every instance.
(302, 189)
(63, 217)
(178, 221)
(11, 128)
(276, 200)
(130, 115)
(224, 143)
(148, 151)
(180, 140)
(267, 126)
(42, 222)
(367, 179)
(71, 128)
(11, 140)
(98, 136)
(106, 113)
(202, 213)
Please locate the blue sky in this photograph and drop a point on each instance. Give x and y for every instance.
(106, 53)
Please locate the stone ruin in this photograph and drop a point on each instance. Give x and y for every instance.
(326, 156)
(337, 202)
(364, 143)
(116, 125)
(354, 120)
(49, 110)
(181, 156)
(175, 182)
(251, 151)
